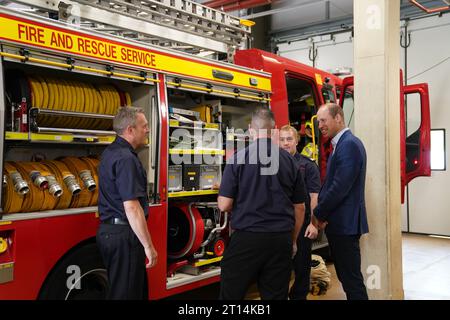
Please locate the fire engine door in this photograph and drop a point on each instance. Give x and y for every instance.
(417, 143)
(414, 147)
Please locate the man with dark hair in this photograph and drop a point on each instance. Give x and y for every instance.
(341, 205)
(264, 191)
(123, 237)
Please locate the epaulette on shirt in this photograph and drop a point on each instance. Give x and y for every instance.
(312, 160)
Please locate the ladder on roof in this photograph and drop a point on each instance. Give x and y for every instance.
(183, 25)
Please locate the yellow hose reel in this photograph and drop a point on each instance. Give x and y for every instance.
(75, 96)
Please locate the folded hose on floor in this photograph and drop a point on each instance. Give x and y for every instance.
(320, 277)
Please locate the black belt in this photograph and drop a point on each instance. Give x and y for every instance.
(116, 221)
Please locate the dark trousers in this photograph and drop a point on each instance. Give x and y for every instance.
(347, 261)
(302, 267)
(264, 257)
(124, 258)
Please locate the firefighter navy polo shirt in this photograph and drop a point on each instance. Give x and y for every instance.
(311, 176)
(263, 202)
(121, 178)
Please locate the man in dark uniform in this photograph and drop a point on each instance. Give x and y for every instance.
(264, 191)
(311, 175)
(123, 237)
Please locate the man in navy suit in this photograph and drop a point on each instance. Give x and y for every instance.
(341, 206)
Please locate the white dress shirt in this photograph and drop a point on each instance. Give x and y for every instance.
(336, 138)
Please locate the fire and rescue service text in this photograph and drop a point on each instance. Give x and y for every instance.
(85, 45)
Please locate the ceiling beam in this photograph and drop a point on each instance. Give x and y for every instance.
(339, 24)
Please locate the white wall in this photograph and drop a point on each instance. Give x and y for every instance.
(298, 51)
(331, 54)
(335, 53)
(429, 198)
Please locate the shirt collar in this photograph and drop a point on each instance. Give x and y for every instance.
(124, 143)
(336, 138)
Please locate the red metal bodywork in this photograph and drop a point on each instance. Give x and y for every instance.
(38, 244)
(423, 162)
(429, 10)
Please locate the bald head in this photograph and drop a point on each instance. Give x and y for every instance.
(262, 124)
(262, 118)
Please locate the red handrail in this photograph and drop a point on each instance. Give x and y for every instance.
(433, 10)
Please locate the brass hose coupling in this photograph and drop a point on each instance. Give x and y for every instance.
(88, 181)
(72, 184)
(20, 185)
(39, 180)
(54, 188)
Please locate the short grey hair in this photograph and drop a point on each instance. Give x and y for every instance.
(263, 118)
(126, 116)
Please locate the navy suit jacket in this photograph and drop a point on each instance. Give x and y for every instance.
(341, 198)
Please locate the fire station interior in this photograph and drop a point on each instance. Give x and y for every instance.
(322, 35)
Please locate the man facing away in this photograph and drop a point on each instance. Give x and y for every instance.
(264, 191)
(341, 206)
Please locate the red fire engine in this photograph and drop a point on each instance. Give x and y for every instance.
(59, 90)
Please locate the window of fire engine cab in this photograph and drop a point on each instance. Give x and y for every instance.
(348, 106)
(302, 106)
(51, 142)
(413, 123)
(327, 92)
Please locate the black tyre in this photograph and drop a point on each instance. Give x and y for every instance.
(79, 276)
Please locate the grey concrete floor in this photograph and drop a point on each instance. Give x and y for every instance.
(426, 267)
(426, 270)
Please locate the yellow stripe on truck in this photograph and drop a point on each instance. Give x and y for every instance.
(56, 38)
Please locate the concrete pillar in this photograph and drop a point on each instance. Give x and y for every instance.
(377, 123)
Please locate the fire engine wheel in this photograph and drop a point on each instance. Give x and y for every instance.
(79, 276)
